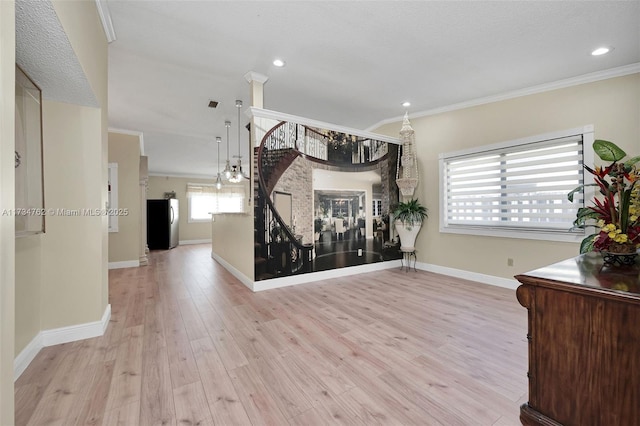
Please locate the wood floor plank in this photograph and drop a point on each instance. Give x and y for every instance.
(64, 393)
(156, 398)
(256, 399)
(126, 383)
(94, 405)
(188, 343)
(285, 392)
(125, 415)
(191, 405)
(229, 351)
(225, 406)
(192, 322)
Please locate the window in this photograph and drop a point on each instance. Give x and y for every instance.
(516, 189)
(205, 199)
(377, 207)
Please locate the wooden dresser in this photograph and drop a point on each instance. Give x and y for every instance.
(584, 343)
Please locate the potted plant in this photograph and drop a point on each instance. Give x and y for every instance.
(408, 220)
(616, 209)
(317, 228)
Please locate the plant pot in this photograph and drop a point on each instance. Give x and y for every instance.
(407, 234)
(618, 259)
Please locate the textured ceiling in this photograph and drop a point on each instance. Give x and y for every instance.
(349, 63)
(43, 51)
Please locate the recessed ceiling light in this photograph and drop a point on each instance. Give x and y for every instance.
(406, 104)
(278, 63)
(601, 51)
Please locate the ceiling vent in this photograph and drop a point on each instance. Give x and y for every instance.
(213, 104)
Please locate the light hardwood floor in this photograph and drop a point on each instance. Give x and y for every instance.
(189, 345)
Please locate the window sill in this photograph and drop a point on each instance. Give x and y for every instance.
(560, 236)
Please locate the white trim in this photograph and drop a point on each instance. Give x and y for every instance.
(560, 84)
(130, 132)
(323, 275)
(105, 18)
(582, 130)
(24, 358)
(189, 242)
(254, 112)
(236, 273)
(255, 76)
(74, 333)
(58, 336)
(468, 275)
(124, 264)
(531, 234)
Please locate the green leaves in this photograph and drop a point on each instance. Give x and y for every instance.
(587, 244)
(584, 214)
(578, 189)
(630, 162)
(410, 212)
(608, 151)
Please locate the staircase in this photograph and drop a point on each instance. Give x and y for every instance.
(278, 252)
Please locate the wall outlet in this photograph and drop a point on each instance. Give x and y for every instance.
(509, 262)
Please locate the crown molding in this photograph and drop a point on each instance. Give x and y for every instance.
(560, 84)
(255, 76)
(105, 18)
(281, 116)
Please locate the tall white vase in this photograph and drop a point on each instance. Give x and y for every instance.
(407, 234)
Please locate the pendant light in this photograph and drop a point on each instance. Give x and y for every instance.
(227, 167)
(237, 174)
(218, 178)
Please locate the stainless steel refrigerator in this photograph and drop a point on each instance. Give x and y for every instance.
(162, 223)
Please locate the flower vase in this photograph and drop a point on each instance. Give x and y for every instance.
(619, 255)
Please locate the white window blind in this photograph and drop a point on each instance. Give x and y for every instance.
(205, 199)
(520, 187)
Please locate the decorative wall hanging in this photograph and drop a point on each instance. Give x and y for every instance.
(29, 193)
(407, 170)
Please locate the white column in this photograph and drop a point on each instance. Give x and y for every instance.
(144, 183)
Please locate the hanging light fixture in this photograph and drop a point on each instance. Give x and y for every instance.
(227, 167)
(218, 178)
(237, 174)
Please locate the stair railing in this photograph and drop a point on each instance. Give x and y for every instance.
(285, 253)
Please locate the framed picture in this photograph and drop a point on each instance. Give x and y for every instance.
(29, 199)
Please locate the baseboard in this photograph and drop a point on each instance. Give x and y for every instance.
(57, 336)
(467, 275)
(24, 358)
(124, 264)
(323, 275)
(235, 272)
(188, 242)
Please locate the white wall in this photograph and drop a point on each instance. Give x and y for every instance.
(62, 274)
(124, 149)
(7, 231)
(612, 106)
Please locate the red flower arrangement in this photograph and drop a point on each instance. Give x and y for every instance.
(617, 212)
